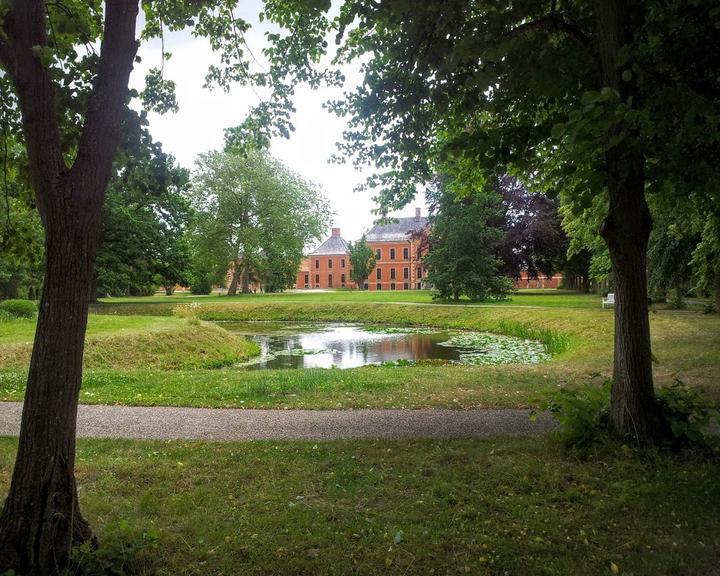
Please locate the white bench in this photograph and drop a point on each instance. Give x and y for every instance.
(609, 301)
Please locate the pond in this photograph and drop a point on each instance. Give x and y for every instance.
(293, 345)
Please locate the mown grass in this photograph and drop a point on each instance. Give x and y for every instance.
(408, 507)
(686, 346)
(129, 342)
(543, 298)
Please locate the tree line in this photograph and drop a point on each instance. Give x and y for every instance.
(164, 227)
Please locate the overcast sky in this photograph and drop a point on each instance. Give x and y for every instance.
(204, 114)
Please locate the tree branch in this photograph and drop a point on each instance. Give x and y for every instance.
(556, 22)
(101, 132)
(25, 29)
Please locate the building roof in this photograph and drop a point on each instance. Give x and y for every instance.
(335, 244)
(397, 229)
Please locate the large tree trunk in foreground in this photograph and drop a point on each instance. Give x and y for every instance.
(626, 230)
(40, 518)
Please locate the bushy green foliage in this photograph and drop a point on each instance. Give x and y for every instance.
(145, 216)
(19, 308)
(362, 261)
(464, 240)
(687, 414)
(584, 415)
(254, 215)
(201, 285)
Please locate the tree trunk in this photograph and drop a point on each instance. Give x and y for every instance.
(245, 278)
(626, 230)
(41, 517)
(232, 289)
(92, 289)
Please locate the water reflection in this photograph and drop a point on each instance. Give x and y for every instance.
(338, 345)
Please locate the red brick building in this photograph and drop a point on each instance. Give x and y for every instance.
(398, 246)
(540, 282)
(397, 253)
(328, 266)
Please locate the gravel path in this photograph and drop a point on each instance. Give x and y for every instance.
(100, 421)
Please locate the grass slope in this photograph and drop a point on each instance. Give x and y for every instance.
(504, 506)
(130, 342)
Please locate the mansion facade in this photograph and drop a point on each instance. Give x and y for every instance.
(399, 247)
(398, 259)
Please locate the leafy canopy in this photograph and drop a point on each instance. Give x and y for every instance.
(255, 216)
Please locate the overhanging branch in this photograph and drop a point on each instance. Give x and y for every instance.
(555, 22)
(101, 132)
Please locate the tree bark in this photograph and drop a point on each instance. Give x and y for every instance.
(232, 289)
(626, 230)
(245, 278)
(40, 519)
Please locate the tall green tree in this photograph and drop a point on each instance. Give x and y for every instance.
(601, 98)
(362, 261)
(464, 241)
(254, 217)
(145, 218)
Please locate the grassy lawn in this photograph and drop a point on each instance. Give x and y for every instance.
(156, 360)
(504, 506)
(544, 298)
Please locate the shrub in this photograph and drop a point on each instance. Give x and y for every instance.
(686, 413)
(201, 286)
(584, 415)
(19, 308)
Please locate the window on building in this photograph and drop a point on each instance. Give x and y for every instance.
(317, 263)
(419, 286)
(378, 254)
(378, 286)
(392, 253)
(329, 280)
(342, 263)
(307, 280)
(342, 280)
(317, 280)
(406, 286)
(329, 262)
(392, 286)
(406, 253)
(392, 273)
(406, 273)
(378, 273)
(418, 273)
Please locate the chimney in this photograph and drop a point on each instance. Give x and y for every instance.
(336, 231)
(417, 213)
